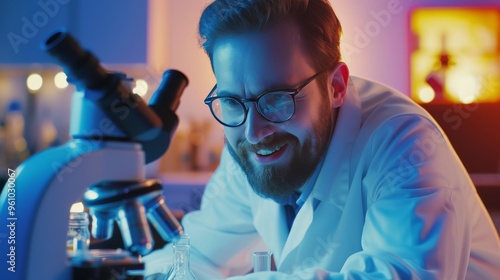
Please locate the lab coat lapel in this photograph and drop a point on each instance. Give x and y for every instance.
(270, 222)
(318, 245)
(299, 228)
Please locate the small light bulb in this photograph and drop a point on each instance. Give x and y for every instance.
(141, 87)
(60, 80)
(34, 82)
(426, 94)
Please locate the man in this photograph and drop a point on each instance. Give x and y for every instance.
(340, 177)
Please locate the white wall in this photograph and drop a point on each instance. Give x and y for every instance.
(186, 55)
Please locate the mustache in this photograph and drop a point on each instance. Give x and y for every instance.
(270, 142)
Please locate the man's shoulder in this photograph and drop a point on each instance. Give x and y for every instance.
(386, 111)
(380, 103)
(374, 93)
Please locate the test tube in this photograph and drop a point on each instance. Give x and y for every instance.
(262, 261)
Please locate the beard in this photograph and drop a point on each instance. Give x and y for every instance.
(280, 182)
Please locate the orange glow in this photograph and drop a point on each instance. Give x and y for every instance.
(456, 51)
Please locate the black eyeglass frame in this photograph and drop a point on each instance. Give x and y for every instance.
(292, 91)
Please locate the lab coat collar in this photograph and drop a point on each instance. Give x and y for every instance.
(336, 168)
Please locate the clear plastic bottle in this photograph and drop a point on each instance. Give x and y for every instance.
(78, 234)
(182, 267)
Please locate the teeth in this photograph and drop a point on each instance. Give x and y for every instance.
(266, 152)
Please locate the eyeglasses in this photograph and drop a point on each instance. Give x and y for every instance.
(277, 105)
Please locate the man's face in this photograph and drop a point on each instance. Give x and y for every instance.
(277, 158)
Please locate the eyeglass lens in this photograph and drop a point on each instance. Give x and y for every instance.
(274, 106)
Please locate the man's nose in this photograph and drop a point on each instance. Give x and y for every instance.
(257, 127)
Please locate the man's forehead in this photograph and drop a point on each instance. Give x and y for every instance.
(276, 52)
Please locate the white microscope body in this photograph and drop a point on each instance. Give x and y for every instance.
(108, 146)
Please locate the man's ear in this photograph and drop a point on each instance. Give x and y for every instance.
(339, 77)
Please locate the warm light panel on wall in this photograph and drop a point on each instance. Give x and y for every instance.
(455, 55)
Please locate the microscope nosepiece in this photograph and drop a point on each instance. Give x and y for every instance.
(131, 204)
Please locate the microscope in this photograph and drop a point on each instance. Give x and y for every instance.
(114, 135)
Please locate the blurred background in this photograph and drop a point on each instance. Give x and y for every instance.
(444, 54)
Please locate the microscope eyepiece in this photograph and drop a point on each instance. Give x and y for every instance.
(164, 103)
(81, 66)
(63, 46)
(168, 94)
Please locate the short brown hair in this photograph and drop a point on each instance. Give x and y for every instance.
(319, 26)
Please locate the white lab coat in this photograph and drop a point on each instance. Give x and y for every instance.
(392, 201)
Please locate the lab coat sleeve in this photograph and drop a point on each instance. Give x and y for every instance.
(414, 224)
(222, 232)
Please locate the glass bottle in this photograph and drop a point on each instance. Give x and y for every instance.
(78, 234)
(182, 268)
(262, 261)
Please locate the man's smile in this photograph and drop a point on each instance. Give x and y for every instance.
(266, 152)
(270, 155)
